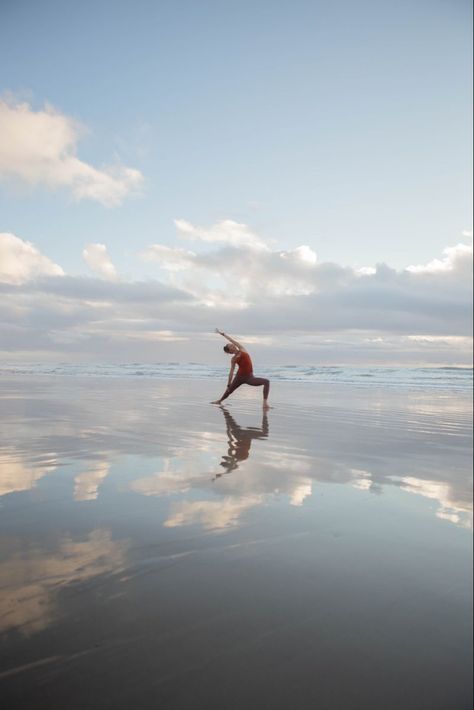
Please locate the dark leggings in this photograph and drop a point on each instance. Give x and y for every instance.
(248, 380)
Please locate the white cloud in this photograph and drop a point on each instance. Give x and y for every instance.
(98, 260)
(302, 491)
(29, 600)
(455, 257)
(87, 483)
(39, 147)
(241, 268)
(455, 341)
(301, 255)
(225, 232)
(20, 261)
(163, 483)
(455, 511)
(287, 303)
(211, 514)
(22, 476)
(169, 258)
(244, 275)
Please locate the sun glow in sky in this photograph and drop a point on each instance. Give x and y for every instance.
(298, 173)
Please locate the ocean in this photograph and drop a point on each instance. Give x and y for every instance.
(444, 378)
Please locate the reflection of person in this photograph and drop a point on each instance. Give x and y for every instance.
(240, 441)
(244, 376)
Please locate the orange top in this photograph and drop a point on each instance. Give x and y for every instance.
(245, 364)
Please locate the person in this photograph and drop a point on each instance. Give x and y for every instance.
(239, 441)
(244, 376)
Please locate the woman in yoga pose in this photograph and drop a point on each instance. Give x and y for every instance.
(239, 441)
(244, 376)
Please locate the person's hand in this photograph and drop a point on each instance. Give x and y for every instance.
(221, 332)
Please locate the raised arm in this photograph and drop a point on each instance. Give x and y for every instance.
(231, 340)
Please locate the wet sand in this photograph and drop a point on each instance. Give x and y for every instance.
(159, 552)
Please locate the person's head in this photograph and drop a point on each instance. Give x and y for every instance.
(230, 349)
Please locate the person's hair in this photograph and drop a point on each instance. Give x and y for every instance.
(227, 348)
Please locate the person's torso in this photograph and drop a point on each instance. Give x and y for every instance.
(245, 364)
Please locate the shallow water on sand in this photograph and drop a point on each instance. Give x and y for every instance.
(160, 552)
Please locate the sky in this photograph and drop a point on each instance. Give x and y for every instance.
(297, 173)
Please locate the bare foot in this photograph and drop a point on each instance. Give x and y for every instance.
(216, 402)
(266, 406)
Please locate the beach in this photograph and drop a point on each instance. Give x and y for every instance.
(161, 552)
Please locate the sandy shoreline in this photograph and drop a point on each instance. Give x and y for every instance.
(162, 552)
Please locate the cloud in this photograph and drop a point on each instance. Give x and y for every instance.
(98, 260)
(87, 483)
(39, 147)
(304, 490)
(22, 476)
(211, 514)
(30, 592)
(20, 261)
(302, 255)
(455, 511)
(289, 304)
(188, 479)
(242, 267)
(456, 258)
(162, 484)
(225, 232)
(291, 290)
(44, 310)
(170, 258)
(278, 474)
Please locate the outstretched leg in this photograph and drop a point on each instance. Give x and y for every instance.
(258, 382)
(231, 388)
